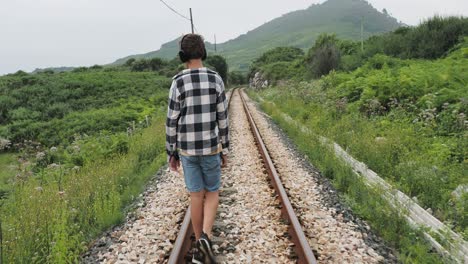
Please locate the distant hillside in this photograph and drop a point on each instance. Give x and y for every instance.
(299, 28)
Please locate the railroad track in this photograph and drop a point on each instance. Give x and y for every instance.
(252, 225)
(293, 246)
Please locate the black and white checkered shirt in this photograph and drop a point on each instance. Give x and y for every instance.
(197, 117)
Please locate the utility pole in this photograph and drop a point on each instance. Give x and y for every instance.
(191, 19)
(362, 34)
(215, 42)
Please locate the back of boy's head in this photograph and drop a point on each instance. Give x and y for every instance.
(192, 46)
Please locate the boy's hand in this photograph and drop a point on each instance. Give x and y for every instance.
(174, 164)
(224, 161)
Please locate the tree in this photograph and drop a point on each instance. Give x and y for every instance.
(432, 39)
(237, 78)
(7, 104)
(279, 54)
(324, 56)
(219, 64)
(436, 36)
(156, 64)
(140, 65)
(129, 62)
(96, 67)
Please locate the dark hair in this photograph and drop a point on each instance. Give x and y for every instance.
(193, 47)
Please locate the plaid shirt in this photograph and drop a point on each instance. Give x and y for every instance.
(197, 117)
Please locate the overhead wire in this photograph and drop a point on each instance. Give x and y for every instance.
(179, 14)
(173, 10)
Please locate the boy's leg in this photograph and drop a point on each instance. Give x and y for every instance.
(210, 208)
(194, 183)
(196, 210)
(211, 168)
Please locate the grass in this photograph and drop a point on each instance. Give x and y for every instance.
(7, 170)
(50, 216)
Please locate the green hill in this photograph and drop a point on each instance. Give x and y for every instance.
(299, 28)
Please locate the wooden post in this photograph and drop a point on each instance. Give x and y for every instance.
(215, 43)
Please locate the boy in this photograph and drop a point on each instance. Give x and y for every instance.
(197, 129)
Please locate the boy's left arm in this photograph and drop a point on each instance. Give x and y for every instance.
(173, 112)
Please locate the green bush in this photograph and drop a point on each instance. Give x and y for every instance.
(431, 39)
(140, 65)
(405, 119)
(51, 108)
(387, 83)
(324, 60)
(325, 55)
(275, 55)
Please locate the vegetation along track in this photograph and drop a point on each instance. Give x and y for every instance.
(252, 225)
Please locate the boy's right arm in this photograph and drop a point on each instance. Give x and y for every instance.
(222, 118)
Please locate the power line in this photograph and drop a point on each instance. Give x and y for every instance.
(173, 10)
(178, 13)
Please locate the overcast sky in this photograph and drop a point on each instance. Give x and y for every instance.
(50, 33)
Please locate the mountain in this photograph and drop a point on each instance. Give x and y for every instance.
(298, 28)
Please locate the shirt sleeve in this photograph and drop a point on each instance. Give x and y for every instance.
(173, 113)
(222, 118)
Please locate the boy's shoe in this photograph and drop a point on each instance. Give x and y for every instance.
(206, 249)
(198, 256)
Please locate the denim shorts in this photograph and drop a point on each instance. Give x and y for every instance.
(202, 172)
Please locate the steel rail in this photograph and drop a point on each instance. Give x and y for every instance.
(301, 245)
(183, 240)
